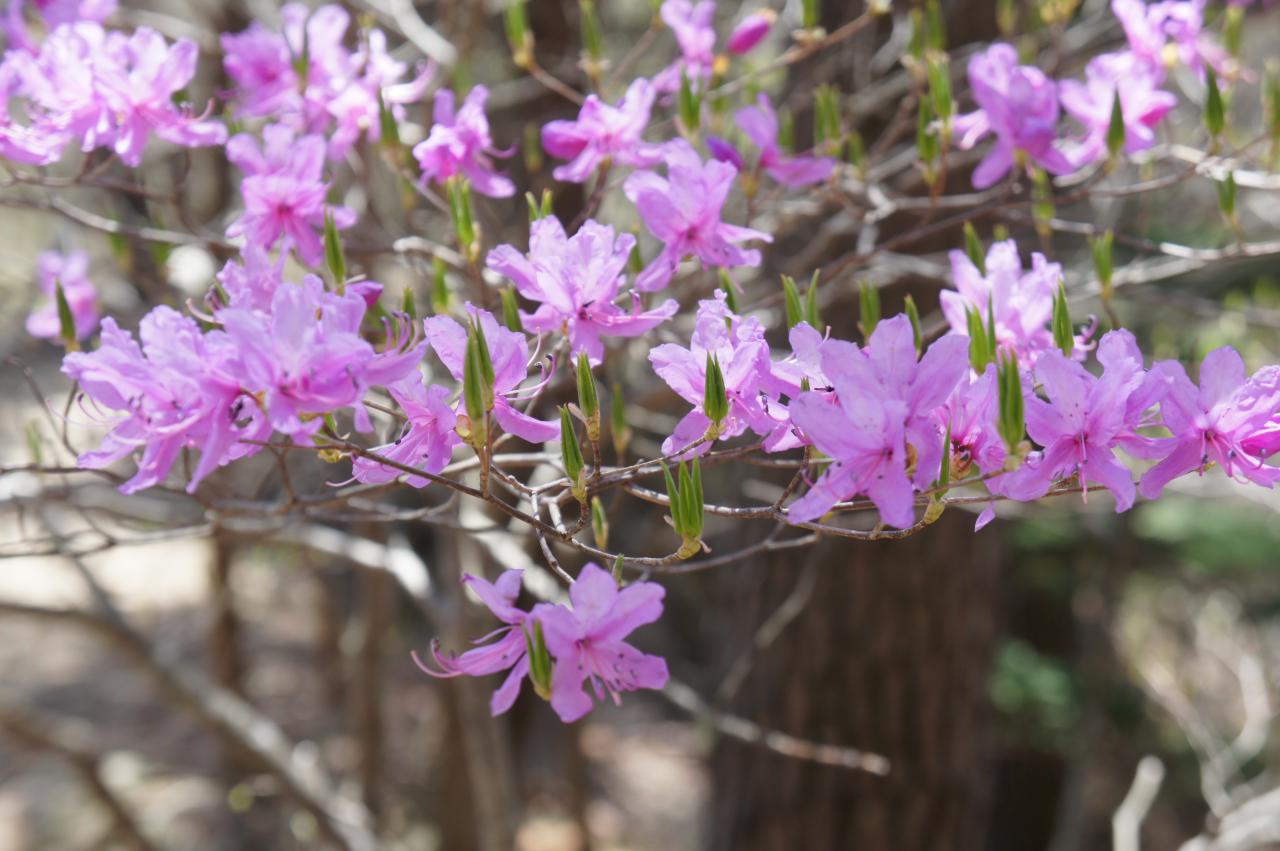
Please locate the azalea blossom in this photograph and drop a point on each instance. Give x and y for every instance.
(178, 390)
(760, 124)
(509, 352)
(1143, 104)
(683, 211)
(738, 345)
(1225, 421)
(306, 357)
(883, 402)
(1022, 299)
(576, 280)
(284, 192)
(426, 440)
(1085, 420)
(459, 143)
(1167, 32)
(691, 24)
(588, 642)
(604, 134)
(1019, 104)
(340, 90)
(71, 272)
(507, 648)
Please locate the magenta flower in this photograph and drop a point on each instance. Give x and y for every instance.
(683, 211)
(426, 440)
(339, 94)
(1085, 420)
(1224, 421)
(576, 280)
(602, 134)
(760, 124)
(284, 192)
(249, 280)
(72, 272)
(739, 346)
(587, 641)
(884, 401)
(971, 413)
(178, 390)
(1164, 33)
(509, 352)
(52, 14)
(459, 143)
(306, 358)
(1017, 103)
(111, 90)
(1022, 300)
(506, 648)
(750, 31)
(1142, 103)
(691, 23)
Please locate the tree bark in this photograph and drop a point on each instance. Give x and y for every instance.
(890, 655)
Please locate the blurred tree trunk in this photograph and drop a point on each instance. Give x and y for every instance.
(890, 655)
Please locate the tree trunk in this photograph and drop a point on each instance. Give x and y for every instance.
(890, 655)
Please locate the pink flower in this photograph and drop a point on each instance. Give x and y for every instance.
(587, 641)
(426, 440)
(1225, 421)
(1142, 103)
(1085, 420)
(306, 357)
(71, 271)
(250, 280)
(603, 133)
(760, 124)
(510, 355)
(691, 23)
(884, 401)
(506, 648)
(1017, 103)
(739, 346)
(179, 390)
(284, 192)
(750, 31)
(1161, 34)
(576, 280)
(1022, 300)
(683, 211)
(52, 13)
(460, 144)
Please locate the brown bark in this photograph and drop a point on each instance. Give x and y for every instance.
(890, 655)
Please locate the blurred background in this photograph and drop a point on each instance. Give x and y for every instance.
(1022, 681)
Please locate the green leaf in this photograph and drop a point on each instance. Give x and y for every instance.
(937, 27)
(473, 395)
(66, 320)
(729, 290)
(689, 104)
(511, 310)
(1012, 420)
(1227, 196)
(592, 39)
(673, 498)
(1063, 336)
(973, 248)
(979, 349)
(334, 258)
(571, 450)
(811, 14)
(811, 304)
(913, 314)
(715, 401)
(1116, 132)
(868, 309)
(407, 306)
(519, 37)
(439, 287)
(1215, 113)
(940, 87)
(1100, 247)
(539, 660)
(600, 525)
(791, 300)
(387, 124)
(588, 398)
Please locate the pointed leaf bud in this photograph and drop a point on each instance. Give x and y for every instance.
(689, 105)
(715, 400)
(571, 453)
(1227, 197)
(439, 287)
(1116, 130)
(811, 14)
(66, 320)
(511, 310)
(811, 304)
(1102, 266)
(1215, 113)
(917, 333)
(1012, 420)
(588, 398)
(599, 524)
(539, 660)
(519, 36)
(334, 259)
(791, 301)
(979, 349)
(1063, 337)
(868, 308)
(973, 248)
(407, 305)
